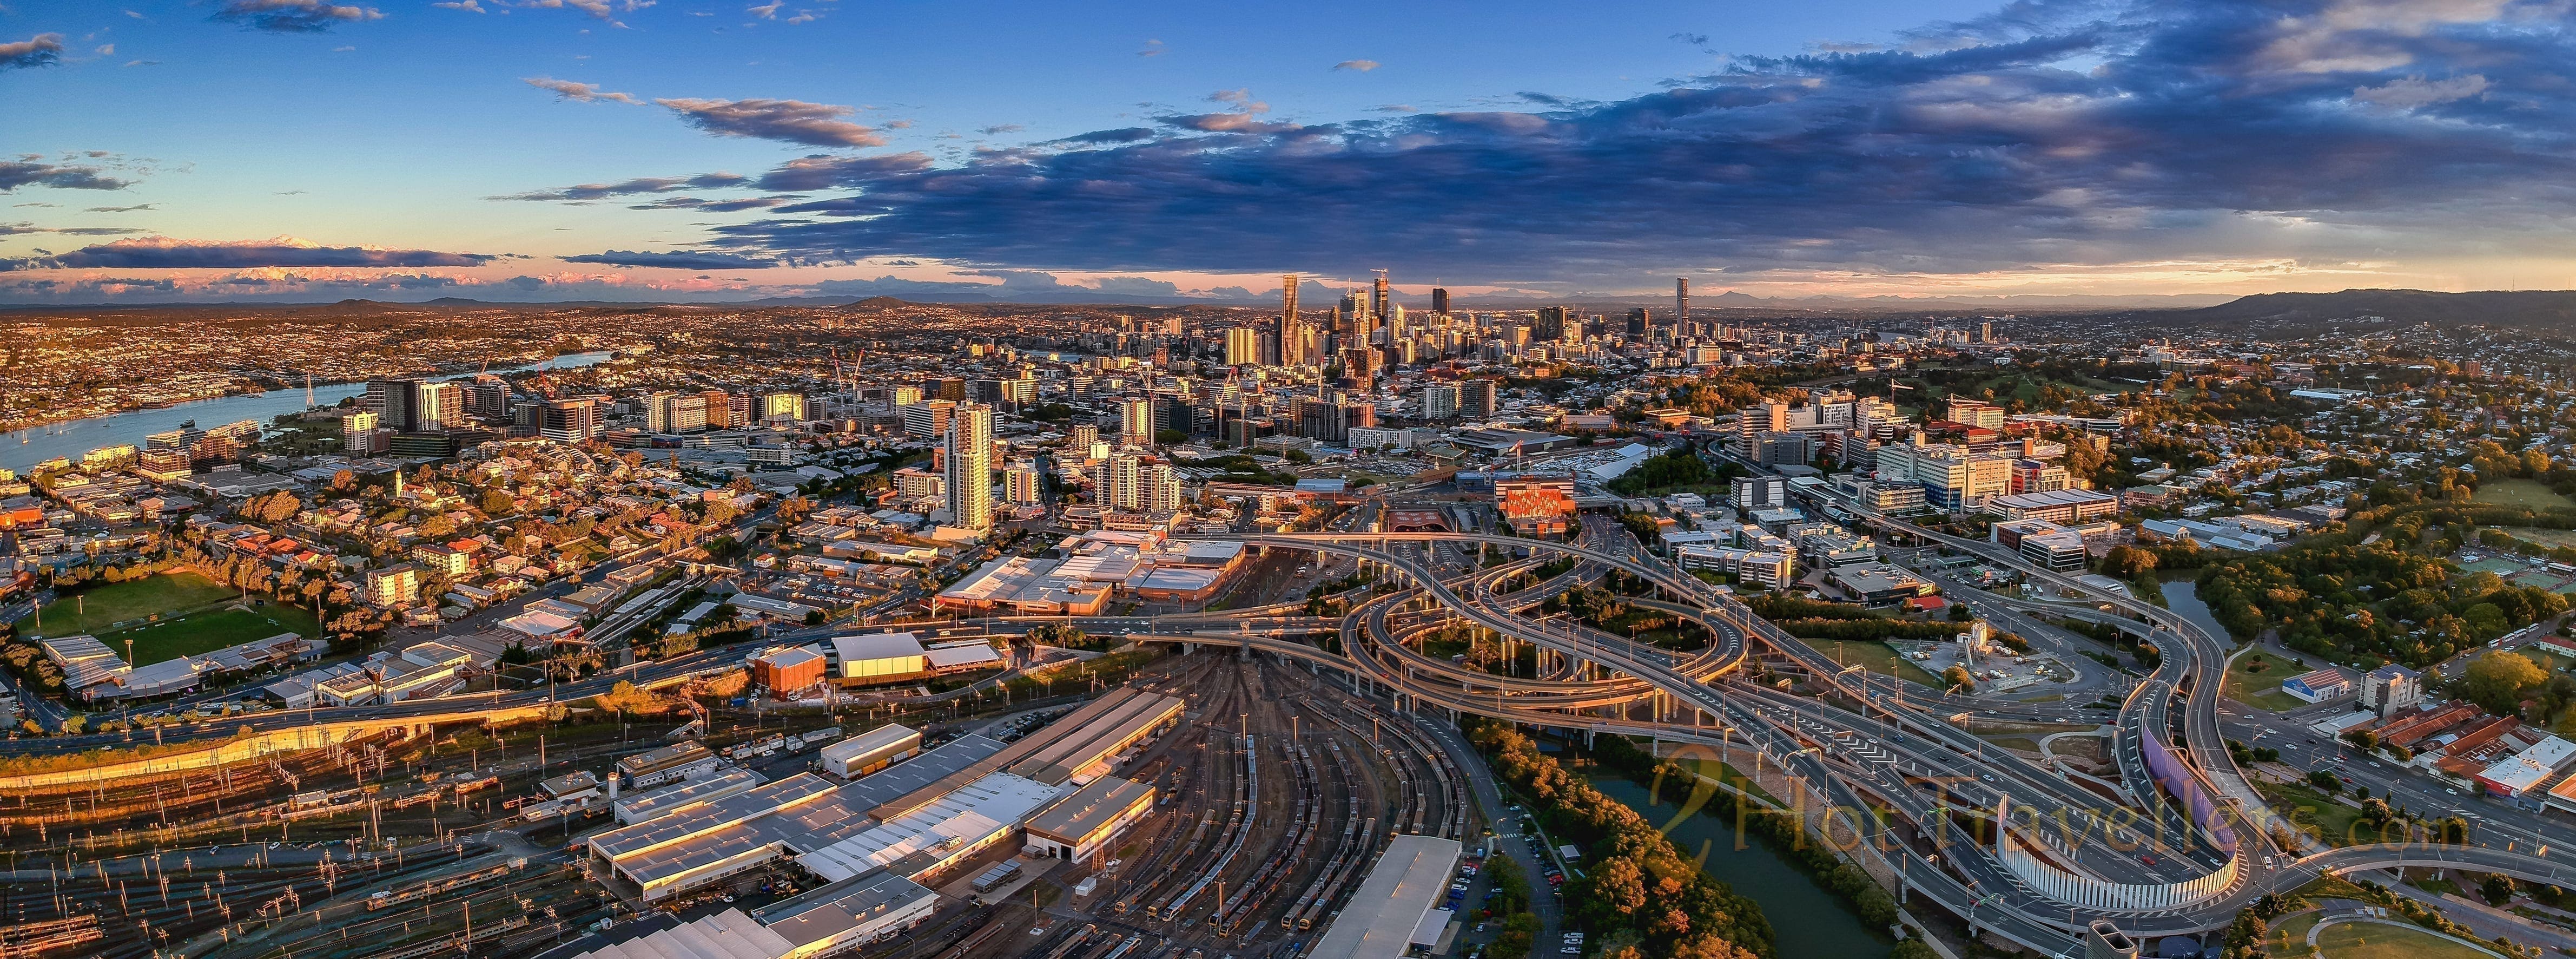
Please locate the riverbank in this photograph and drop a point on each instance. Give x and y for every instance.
(67, 438)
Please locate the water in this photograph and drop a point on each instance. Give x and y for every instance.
(72, 438)
(2182, 595)
(1807, 919)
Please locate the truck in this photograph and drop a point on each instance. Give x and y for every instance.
(820, 735)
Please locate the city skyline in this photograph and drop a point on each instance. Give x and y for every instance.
(300, 150)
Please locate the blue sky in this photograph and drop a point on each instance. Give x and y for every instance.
(315, 149)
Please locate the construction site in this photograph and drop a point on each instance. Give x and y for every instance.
(1212, 804)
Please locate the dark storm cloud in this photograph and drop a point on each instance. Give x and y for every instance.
(2049, 133)
(23, 172)
(679, 260)
(718, 206)
(164, 253)
(292, 16)
(41, 50)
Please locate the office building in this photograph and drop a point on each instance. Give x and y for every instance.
(1638, 322)
(970, 467)
(487, 399)
(391, 401)
(1681, 303)
(1440, 300)
(657, 411)
(1080, 436)
(1975, 413)
(1761, 492)
(570, 420)
(788, 406)
(928, 419)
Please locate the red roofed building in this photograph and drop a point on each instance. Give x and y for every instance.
(1535, 506)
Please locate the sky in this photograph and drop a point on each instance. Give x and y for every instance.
(546, 150)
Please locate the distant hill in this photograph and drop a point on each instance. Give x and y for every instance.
(2543, 312)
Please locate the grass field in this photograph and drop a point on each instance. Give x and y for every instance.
(99, 610)
(2334, 821)
(1878, 658)
(211, 630)
(2371, 940)
(2290, 938)
(2522, 492)
(2262, 690)
(2551, 538)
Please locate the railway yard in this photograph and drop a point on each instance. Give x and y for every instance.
(1273, 793)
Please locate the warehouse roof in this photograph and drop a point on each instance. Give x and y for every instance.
(645, 806)
(859, 649)
(882, 737)
(1094, 738)
(839, 907)
(1389, 905)
(1090, 809)
(992, 804)
(725, 935)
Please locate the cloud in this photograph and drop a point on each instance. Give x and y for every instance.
(583, 92)
(678, 260)
(29, 172)
(142, 63)
(20, 229)
(1124, 135)
(165, 253)
(2412, 92)
(716, 206)
(825, 171)
(122, 209)
(2046, 137)
(791, 121)
(999, 128)
(41, 50)
(292, 16)
(656, 184)
(766, 11)
(469, 6)
(1153, 48)
(1360, 66)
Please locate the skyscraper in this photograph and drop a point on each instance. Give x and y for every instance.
(1681, 304)
(437, 406)
(570, 420)
(1378, 301)
(1637, 321)
(391, 401)
(1551, 323)
(1440, 300)
(1242, 346)
(358, 433)
(970, 467)
(1291, 339)
(1476, 398)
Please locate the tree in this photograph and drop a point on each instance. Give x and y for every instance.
(2128, 562)
(2497, 888)
(2497, 680)
(2325, 780)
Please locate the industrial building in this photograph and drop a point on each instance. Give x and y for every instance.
(787, 670)
(654, 804)
(881, 658)
(913, 819)
(833, 919)
(871, 751)
(1080, 824)
(686, 759)
(1388, 914)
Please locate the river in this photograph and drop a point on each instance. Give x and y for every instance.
(1807, 919)
(23, 449)
(2182, 595)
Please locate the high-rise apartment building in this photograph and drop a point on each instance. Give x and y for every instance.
(1136, 419)
(1290, 333)
(1681, 304)
(1243, 346)
(1439, 401)
(685, 413)
(1476, 398)
(784, 405)
(1161, 495)
(358, 433)
(905, 395)
(657, 411)
(1021, 484)
(437, 406)
(487, 398)
(1080, 436)
(970, 467)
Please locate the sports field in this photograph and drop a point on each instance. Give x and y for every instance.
(167, 616)
(132, 602)
(2522, 492)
